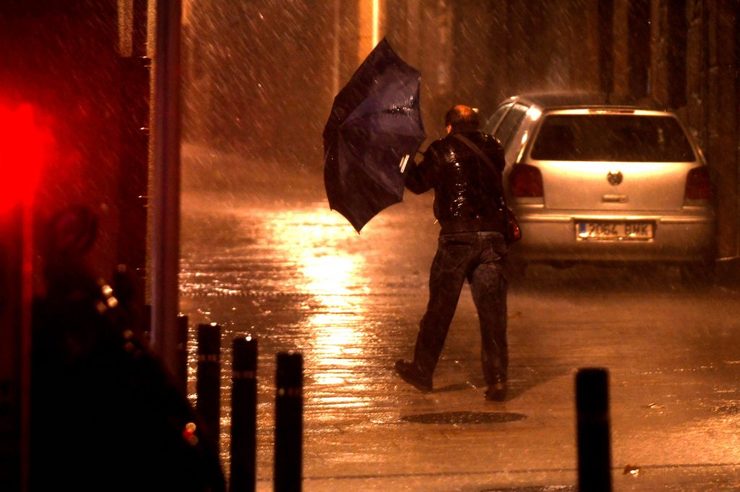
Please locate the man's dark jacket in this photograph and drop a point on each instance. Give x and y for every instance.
(468, 194)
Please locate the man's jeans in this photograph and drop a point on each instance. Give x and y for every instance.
(479, 258)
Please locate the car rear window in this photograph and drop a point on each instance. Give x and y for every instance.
(600, 137)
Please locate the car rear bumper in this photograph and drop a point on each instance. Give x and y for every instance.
(677, 238)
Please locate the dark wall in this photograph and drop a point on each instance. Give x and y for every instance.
(258, 77)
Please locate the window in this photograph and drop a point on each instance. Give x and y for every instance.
(506, 130)
(494, 120)
(612, 138)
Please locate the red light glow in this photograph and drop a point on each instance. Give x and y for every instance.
(25, 146)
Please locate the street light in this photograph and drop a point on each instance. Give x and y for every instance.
(25, 146)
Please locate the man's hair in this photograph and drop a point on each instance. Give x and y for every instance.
(462, 118)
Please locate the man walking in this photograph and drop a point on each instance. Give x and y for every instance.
(464, 168)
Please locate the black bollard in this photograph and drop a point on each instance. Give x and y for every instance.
(208, 381)
(287, 473)
(181, 377)
(594, 448)
(244, 415)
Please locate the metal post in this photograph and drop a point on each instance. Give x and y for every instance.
(594, 448)
(146, 325)
(287, 474)
(208, 381)
(15, 347)
(181, 376)
(336, 46)
(165, 193)
(244, 415)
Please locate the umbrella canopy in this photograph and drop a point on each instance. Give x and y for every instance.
(373, 131)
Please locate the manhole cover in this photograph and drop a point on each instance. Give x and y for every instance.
(536, 488)
(464, 418)
(730, 409)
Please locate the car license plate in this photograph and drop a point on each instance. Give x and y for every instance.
(614, 231)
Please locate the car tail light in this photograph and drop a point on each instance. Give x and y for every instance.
(526, 181)
(698, 184)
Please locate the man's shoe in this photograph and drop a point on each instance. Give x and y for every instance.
(412, 375)
(496, 391)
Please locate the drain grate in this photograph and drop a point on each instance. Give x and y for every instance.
(464, 418)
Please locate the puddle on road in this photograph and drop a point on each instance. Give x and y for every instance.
(464, 418)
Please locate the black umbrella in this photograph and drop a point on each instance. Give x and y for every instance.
(374, 130)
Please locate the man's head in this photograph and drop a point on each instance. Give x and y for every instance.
(461, 118)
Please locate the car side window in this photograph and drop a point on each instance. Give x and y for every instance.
(494, 120)
(506, 130)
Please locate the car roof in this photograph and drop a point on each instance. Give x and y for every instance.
(571, 99)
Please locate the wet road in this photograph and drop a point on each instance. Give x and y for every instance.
(271, 260)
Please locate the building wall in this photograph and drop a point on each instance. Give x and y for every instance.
(260, 74)
(711, 103)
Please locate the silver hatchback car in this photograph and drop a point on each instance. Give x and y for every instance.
(598, 182)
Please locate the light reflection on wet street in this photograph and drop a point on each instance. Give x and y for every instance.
(299, 278)
(277, 264)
